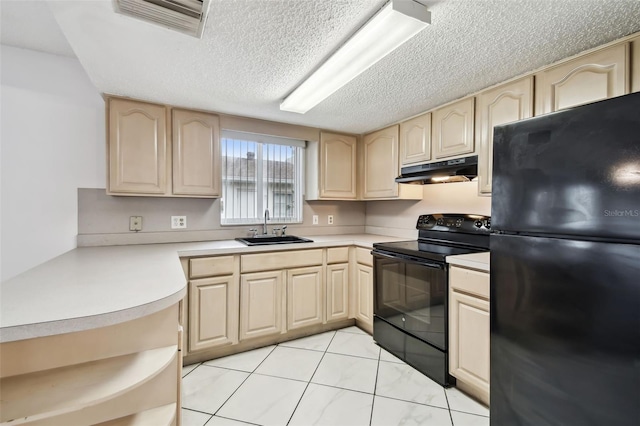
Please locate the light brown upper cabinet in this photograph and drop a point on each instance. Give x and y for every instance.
(381, 167)
(453, 129)
(635, 65)
(500, 105)
(139, 160)
(144, 161)
(196, 153)
(331, 167)
(415, 140)
(589, 78)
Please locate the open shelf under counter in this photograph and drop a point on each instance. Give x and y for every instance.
(28, 398)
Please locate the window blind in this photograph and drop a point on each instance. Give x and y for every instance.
(261, 172)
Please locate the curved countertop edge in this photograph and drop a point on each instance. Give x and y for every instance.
(35, 329)
(479, 261)
(72, 325)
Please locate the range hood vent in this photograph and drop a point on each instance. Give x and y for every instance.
(458, 170)
(186, 16)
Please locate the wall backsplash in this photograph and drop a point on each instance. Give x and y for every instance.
(104, 219)
(398, 218)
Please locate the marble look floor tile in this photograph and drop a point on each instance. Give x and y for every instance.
(244, 361)
(189, 368)
(347, 372)
(402, 381)
(353, 329)
(361, 345)
(207, 388)
(194, 418)
(393, 412)
(387, 356)
(459, 401)
(323, 405)
(318, 342)
(264, 400)
(291, 363)
(221, 421)
(464, 419)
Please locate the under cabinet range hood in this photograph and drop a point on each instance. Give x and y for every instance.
(457, 170)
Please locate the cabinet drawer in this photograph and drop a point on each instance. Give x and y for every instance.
(469, 281)
(210, 266)
(281, 260)
(338, 255)
(363, 256)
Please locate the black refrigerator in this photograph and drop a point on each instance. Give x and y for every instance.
(565, 268)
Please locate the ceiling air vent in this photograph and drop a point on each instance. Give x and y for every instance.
(186, 16)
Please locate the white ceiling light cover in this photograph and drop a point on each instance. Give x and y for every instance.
(392, 26)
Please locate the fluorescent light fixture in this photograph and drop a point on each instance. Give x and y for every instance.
(394, 24)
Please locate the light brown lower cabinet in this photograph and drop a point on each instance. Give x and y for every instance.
(304, 297)
(262, 299)
(469, 331)
(362, 289)
(213, 312)
(337, 292)
(364, 295)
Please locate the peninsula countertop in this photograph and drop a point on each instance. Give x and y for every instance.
(92, 287)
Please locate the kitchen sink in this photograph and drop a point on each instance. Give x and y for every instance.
(269, 240)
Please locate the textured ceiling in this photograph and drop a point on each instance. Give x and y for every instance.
(255, 52)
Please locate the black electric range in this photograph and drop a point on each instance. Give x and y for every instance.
(411, 281)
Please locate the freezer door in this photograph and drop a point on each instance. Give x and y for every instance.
(565, 332)
(574, 172)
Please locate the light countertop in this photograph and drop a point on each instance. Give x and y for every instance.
(92, 287)
(479, 261)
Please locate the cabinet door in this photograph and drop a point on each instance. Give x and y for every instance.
(589, 78)
(415, 140)
(381, 163)
(138, 157)
(337, 292)
(635, 65)
(304, 297)
(453, 129)
(261, 304)
(364, 294)
(213, 312)
(196, 153)
(337, 166)
(469, 341)
(500, 105)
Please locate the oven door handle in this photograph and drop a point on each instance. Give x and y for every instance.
(408, 259)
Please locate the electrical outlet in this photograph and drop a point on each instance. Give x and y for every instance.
(315, 219)
(330, 219)
(178, 222)
(135, 223)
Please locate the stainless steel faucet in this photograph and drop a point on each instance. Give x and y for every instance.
(266, 218)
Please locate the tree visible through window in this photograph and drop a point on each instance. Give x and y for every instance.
(260, 173)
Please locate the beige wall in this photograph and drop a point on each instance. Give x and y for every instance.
(104, 219)
(398, 218)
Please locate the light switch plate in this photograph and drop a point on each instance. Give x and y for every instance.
(315, 219)
(178, 222)
(135, 223)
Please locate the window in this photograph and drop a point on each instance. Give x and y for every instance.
(260, 173)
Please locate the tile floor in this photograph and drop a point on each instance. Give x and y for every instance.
(335, 378)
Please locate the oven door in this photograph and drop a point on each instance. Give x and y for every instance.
(410, 293)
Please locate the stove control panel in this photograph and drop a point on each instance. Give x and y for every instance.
(467, 223)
